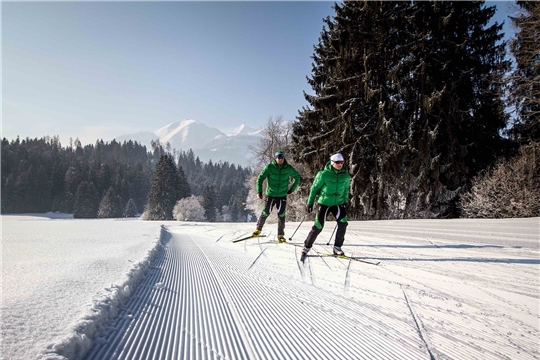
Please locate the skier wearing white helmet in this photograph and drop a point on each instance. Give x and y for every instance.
(331, 187)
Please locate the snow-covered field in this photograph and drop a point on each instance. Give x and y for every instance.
(129, 289)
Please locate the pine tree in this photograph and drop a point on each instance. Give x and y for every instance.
(110, 205)
(86, 201)
(165, 190)
(131, 209)
(209, 203)
(103, 178)
(184, 189)
(456, 112)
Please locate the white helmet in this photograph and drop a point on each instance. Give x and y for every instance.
(336, 157)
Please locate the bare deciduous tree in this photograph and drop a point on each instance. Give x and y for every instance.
(276, 135)
(511, 189)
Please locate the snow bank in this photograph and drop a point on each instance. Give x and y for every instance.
(78, 342)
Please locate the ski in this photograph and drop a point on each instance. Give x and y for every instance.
(248, 237)
(350, 258)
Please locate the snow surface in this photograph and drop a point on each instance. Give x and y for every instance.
(129, 289)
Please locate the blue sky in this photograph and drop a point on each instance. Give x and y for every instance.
(96, 70)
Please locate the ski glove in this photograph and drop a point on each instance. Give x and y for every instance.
(309, 209)
(259, 195)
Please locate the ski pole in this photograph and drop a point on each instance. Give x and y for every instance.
(290, 239)
(331, 235)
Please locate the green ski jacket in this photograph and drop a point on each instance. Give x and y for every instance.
(331, 185)
(278, 179)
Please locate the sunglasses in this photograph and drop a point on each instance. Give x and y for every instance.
(338, 162)
(280, 156)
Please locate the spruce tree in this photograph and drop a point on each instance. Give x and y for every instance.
(184, 189)
(110, 205)
(131, 209)
(86, 201)
(165, 190)
(209, 203)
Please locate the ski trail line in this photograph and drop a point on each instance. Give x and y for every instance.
(418, 325)
(202, 300)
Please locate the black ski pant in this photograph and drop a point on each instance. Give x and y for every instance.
(280, 203)
(340, 213)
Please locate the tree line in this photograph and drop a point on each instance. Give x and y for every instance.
(195, 191)
(110, 179)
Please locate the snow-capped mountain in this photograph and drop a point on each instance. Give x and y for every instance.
(187, 134)
(244, 130)
(206, 142)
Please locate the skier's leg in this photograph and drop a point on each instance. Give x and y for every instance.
(317, 227)
(341, 218)
(281, 205)
(266, 211)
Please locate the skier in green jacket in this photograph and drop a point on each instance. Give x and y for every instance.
(331, 185)
(277, 173)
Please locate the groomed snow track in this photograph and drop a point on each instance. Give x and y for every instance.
(202, 301)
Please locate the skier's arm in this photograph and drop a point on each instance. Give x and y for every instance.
(296, 179)
(315, 188)
(262, 176)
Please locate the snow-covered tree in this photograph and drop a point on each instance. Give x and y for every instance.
(510, 189)
(131, 208)
(110, 205)
(189, 209)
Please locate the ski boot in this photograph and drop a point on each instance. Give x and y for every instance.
(281, 239)
(338, 251)
(305, 251)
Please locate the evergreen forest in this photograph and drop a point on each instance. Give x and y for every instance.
(109, 179)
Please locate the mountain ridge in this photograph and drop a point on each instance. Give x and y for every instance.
(207, 143)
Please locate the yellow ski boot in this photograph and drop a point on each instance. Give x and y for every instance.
(281, 239)
(256, 233)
